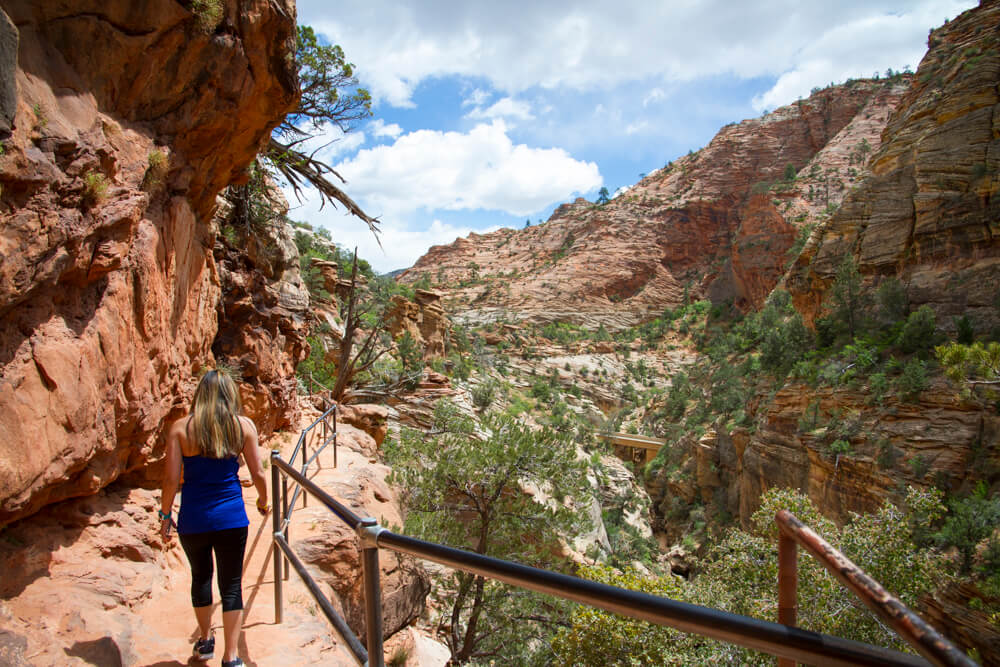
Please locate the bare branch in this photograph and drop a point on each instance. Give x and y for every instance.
(301, 170)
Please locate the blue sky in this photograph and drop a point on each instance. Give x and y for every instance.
(490, 114)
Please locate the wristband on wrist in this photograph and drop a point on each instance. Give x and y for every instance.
(163, 516)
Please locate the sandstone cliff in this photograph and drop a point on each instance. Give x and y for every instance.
(121, 136)
(716, 223)
(928, 213)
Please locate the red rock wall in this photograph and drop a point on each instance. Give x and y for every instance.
(108, 299)
(929, 213)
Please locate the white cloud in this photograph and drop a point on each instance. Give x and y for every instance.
(520, 44)
(480, 169)
(380, 129)
(476, 98)
(654, 95)
(636, 127)
(332, 144)
(857, 48)
(402, 244)
(506, 107)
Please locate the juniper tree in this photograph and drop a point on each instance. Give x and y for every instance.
(500, 489)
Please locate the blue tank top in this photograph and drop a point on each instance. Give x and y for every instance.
(211, 498)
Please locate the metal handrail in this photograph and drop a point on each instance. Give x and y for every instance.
(782, 640)
(908, 625)
(328, 421)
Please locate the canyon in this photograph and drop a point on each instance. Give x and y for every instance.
(124, 274)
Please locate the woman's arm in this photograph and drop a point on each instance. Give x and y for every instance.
(251, 454)
(171, 475)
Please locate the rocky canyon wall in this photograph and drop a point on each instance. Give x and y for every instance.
(715, 223)
(121, 133)
(929, 212)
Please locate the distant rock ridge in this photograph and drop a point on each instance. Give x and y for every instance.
(716, 223)
(123, 133)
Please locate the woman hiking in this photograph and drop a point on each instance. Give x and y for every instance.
(207, 444)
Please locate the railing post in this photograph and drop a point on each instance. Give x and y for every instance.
(373, 597)
(334, 435)
(305, 461)
(788, 583)
(276, 524)
(284, 514)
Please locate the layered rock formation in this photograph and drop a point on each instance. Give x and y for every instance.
(423, 318)
(932, 440)
(122, 136)
(929, 212)
(716, 223)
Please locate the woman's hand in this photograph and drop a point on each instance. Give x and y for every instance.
(263, 507)
(165, 525)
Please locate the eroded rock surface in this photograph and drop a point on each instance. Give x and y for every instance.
(122, 137)
(423, 318)
(929, 212)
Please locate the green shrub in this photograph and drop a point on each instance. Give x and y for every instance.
(878, 386)
(970, 520)
(965, 333)
(409, 353)
(156, 168)
(483, 394)
(918, 332)
(839, 447)
(893, 302)
(208, 14)
(920, 465)
(95, 188)
(913, 380)
(887, 453)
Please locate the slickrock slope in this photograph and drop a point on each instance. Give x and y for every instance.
(929, 213)
(717, 222)
(122, 135)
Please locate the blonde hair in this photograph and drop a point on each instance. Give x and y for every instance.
(215, 411)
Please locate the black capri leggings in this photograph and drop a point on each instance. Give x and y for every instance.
(229, 546)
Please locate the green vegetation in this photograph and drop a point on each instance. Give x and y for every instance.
(156, 169)
(95, 188)
(466, 491)
(330, 95)
(208, 14)
(739, 575)
(41, 119)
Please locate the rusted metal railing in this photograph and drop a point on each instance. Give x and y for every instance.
(888, 608)
(783, 640)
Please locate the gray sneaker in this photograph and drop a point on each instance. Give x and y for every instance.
(236, 662)
(204, 649)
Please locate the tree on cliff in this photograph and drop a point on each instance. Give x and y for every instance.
(470, 491)
(330, 96)
(848, 300)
